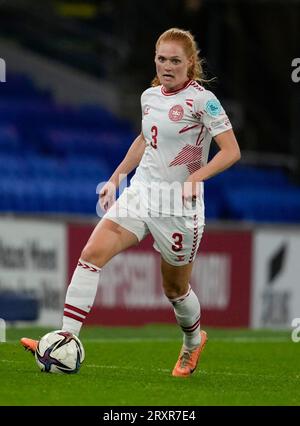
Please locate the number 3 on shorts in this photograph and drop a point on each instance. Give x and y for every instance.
(178, 238)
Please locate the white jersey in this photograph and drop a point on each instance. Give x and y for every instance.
(178, 128)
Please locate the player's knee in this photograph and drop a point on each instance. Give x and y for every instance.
(173, 290)
(94, 255)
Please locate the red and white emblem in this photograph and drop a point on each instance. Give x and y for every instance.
(176, 113)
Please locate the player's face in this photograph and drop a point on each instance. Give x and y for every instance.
(172, 65)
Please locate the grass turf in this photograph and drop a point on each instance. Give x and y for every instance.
(132, 366)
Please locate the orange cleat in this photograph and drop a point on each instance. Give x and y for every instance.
(188, 360)
(29, 344)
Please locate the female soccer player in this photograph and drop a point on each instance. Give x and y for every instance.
(165, 196)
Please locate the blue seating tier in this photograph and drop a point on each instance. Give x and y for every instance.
(53, 156)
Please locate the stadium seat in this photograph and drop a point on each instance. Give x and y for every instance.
(260, 205)
(9, 138)
(53, 156)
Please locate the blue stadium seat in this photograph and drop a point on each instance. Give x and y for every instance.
(260, 205)
(21, 86)
(9, 138)
(53, 156)
(45, 167)
(82, 142)
(83, 168)
(249, 175)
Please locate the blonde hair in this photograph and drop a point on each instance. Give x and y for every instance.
(195, 72)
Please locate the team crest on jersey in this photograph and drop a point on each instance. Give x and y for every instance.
(176, 113)
(146, 110)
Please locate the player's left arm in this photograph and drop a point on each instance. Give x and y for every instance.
(228, 154)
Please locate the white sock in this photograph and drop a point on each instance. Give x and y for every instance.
(187, 313)
(80, 296)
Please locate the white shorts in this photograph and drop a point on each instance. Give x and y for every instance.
(177, 238)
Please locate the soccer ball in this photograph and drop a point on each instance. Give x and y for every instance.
(59, 352)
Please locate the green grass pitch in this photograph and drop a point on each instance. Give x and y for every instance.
(132, 366)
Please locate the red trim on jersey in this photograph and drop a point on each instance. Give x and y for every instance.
(188, 155)
(192, 168)
(187, 127)
(197, 85)
(198, 141)
(174, 92)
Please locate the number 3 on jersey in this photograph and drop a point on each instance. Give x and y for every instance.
(154, 133)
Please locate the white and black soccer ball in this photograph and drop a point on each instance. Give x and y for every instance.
(59, 352)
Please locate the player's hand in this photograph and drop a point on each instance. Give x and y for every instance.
(190, 193)
(107, 196)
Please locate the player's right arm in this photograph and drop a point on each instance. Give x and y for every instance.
(130, 162)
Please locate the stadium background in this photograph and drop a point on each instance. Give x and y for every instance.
(69, 108)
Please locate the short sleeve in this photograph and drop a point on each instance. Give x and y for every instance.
(144, 97)
(142, 101)
(211, 113)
